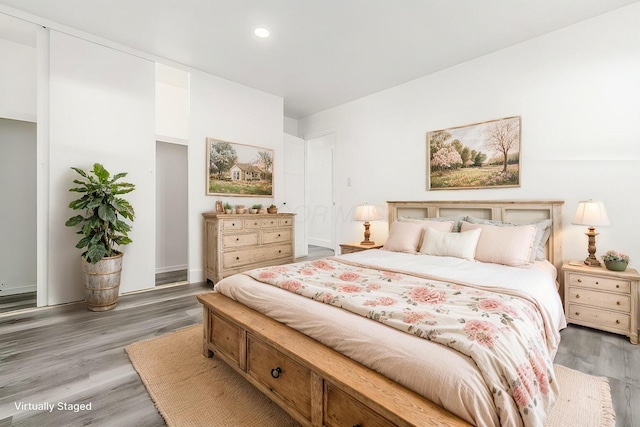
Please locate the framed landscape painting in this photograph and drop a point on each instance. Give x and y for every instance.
(238, 170)
(481, 155)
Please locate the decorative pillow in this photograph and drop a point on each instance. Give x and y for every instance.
(456, 220)
(540, 241)
(460, 245)
(404, 237)
(504, 245)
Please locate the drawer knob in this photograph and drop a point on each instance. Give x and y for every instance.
(597, 283)
(577, 296)
(356, 425)
(579, 280)
(577, 313)
(617, 321)
(617, 286)
(233, 224)
(617, 302)
(237, 258)
(275, 372)
(278, 235)
(237, 239)
(280, 251)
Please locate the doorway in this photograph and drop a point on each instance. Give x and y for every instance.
(18, 188)
(320, 192)
(172, 245)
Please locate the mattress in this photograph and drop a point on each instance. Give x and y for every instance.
(411, 361)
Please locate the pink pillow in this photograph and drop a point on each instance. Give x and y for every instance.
(504, 245)
(404, 236)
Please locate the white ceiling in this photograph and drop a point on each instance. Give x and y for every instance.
(321, 53)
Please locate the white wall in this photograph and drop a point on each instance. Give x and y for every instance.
(17, 81)
(577, 91)
(18, 206)
(101, 110)
(231, 112)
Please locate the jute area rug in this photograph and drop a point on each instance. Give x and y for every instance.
(191, 390)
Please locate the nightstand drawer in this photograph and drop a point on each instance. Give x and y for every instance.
(603, 318)
(599, 283)
(610, 301)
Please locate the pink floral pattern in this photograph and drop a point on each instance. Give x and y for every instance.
(504, 334)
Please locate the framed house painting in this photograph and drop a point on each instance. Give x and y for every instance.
(238, 170)
(480, 155)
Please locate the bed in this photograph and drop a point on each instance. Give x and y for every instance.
(287, 329)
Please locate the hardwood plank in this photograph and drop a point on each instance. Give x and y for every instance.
(67, 353)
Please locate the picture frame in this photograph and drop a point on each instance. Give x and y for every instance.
(234, 169)
(479, 155)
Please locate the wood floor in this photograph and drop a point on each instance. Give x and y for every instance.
(70, 355)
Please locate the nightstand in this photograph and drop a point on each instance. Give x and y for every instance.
(349, 248)
(602, 299)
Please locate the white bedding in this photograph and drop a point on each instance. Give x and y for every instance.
(411, 361)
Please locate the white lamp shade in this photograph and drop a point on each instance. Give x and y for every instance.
(366, 213)
(591, 213)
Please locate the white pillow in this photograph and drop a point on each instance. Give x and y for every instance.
(459, 245)
(504, 245)
(404, 237)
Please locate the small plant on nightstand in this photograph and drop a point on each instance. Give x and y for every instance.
(615, 261)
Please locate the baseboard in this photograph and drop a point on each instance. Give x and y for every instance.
(15, 290)
(171, 268)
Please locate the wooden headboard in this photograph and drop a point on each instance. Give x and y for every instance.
(516, 211)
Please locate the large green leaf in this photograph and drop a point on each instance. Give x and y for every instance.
(100, 172)
(71, 222)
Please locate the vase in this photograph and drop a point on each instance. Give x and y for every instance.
(616, 265)
(102, 282)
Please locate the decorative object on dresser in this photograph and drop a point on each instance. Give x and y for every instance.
(602, 299)
(349, 248)
(272, 209)
(615, 261)
(592, 214)
(228, 209)
(245, 241)
(103, 229)
(366, 213)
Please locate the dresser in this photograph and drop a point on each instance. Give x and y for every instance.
(240, 242)
(602, 299)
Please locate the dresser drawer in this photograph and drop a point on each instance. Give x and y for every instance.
(275, 236)
(232, 224)
(252, 224)
(605, 319)
(285, 377)
(285, 222)
(269, 222)
(343, 410)
(610, 301)
(599, 283)
(236, 240)
(238, 258)
(228, 338)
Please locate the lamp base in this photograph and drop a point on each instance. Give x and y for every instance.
(367, 242)
(591, 261)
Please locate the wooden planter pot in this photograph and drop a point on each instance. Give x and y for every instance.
(102, 283)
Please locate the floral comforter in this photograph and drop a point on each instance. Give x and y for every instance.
(504, 334)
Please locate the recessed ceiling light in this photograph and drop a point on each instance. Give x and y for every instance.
(262, 32)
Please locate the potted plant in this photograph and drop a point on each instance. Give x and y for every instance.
(228, 209)
(615, 261)
(255, 208)
(272, 209)
(102, 229)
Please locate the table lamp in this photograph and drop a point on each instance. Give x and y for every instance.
(592, 214)
(366, 213)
